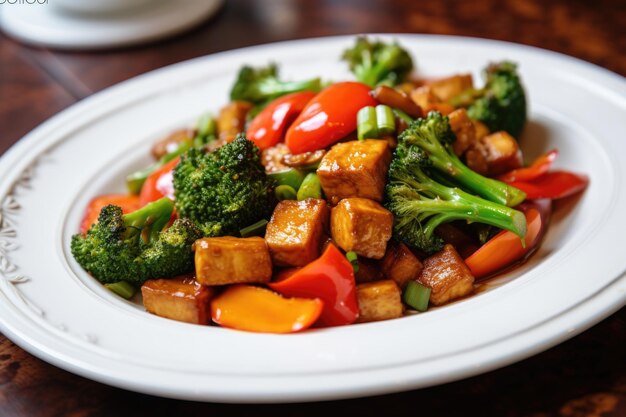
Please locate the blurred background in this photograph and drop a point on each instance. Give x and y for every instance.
(585, 376)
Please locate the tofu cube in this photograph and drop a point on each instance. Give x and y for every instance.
(181, 298)
(368, 271)
(232, 260)
(463, 129)
(380, 300)
(447, 88)
(362, 226)
(400, 264)
(447, 276)
(355, 169)
(503, 153)
(296, 230)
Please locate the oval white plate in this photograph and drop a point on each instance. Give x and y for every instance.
(51, 308)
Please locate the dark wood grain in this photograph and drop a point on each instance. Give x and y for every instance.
(585, 376)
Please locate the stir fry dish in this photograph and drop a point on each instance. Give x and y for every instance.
(313, 204)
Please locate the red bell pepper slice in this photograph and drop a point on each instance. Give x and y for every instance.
(505, 248)
(159, 184)
(328, 117)
(128, 203)
(329, 278)
(557, 184)
(539, 167)
(268, 127)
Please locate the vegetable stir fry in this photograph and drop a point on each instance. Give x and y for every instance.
(309, 204)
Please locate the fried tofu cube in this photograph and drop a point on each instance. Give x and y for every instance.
(423, 96)
(463, 129)
(481, 130)
(355, 169)
(447, 276)
(503, 153)
(362, 226)
(181, 298)
(368, 271)
(447, 88)
(476, 158)
(295, 232)
(400, 264)
(232, 260)
(379, 300)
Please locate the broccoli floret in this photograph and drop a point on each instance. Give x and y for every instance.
(225, 190)
(134, 247)
(260, 85)
(377, 62)
(434, 136)
(420, 202)
(501, 103)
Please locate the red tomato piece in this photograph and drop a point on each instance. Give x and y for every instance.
(329, 278)
(554, 185)
(159, 184)
(128, 203)
(505, 248)
(268, 127)
(328, 117)
(539, 167)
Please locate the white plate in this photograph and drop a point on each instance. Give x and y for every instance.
(51, 308)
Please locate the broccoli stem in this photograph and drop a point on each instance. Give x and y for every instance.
(455, 204)
(149, 220)
(488, 188)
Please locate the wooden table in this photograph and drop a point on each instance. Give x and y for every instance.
(585, 376)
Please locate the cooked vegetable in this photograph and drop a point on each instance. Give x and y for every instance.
(354, 260)
(122, 288)
(416, 296)
(355, 169)
(328, 117)
(256, 229)
(294, 233)
(260, 85)
(329, 278)
(501, 103)
(269, 126)
(375, 122)
(420, 202)
(231, 121)
(555, 185)
(362, 226)
(256, 309)
(379, 300)
(377, 62)
(310, 187)
(506, 248)
(225, 190)
(433, 136)
(291, 177)
(159, 184)
(181, 298)
(135, 247)
(127, 203)
(447, 276)
(539, 167)
(285, 192)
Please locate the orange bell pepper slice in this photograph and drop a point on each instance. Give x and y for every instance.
(505, 248)
(256, 309)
